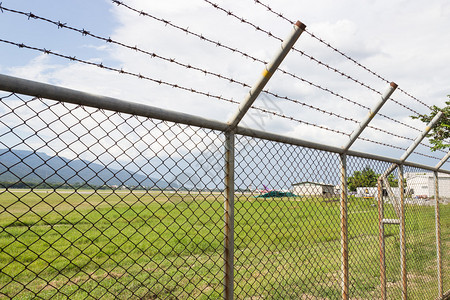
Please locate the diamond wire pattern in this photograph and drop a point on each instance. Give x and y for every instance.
(100, 204)
(285, 247)
(420, 232)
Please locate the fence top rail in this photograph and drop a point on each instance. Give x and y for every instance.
(52, 92)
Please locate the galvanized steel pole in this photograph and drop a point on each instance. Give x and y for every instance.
(229, 217)
(381, 238)
(270, 68)
(402, 234)
(344, 229)
(363, 124)
(438, 236)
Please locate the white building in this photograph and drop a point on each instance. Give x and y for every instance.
(421, 184)
(308, 188)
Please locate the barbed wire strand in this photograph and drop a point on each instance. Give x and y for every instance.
(188, 66)
(234, 50)
(268, 33)
(162, 82)
(85, 32)
(191, 90)
(280, 15)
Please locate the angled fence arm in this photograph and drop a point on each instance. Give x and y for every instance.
(421, 136)
(442, 161)
(414, 145)
(270, 68)
(363, 124)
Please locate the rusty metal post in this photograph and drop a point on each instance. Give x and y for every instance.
(402, 234)
(344, 229)
(229, 217)
(381, 238)
(438, 236)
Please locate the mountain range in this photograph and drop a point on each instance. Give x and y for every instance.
(38, 167)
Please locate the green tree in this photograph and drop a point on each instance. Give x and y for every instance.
(367, 178)
(441, 131)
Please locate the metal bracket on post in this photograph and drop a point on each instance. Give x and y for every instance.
(438, 236)
(363, 124)
(270, 68)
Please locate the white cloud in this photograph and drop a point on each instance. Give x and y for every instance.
(406, 42)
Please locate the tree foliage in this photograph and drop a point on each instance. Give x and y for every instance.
(441, 131)
(367, 178)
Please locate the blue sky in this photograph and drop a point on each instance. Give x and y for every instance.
(404, 41)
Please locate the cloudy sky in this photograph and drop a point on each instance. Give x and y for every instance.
(406, 42)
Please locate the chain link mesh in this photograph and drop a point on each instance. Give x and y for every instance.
(103, 205)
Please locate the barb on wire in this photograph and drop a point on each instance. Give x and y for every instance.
(187, 31)
(300, 121)
(84, 32)
(310, 57)
(121, 71)
(280, 15)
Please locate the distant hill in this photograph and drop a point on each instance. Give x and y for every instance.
(29, 166)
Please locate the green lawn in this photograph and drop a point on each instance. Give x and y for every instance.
(69, 244)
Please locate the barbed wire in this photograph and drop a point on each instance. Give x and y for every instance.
(268, 33)
(121, 71)
(162, 82)
(310, 57)
(280, 15)
(188, 66)
(191, 90)
(187, 31)
(85, 32)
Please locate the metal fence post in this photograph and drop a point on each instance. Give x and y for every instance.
(438, 236)
(344, 229)
(381, 238)
(229, 217)
(402, 233)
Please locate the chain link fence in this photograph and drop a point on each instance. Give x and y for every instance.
(101, 204)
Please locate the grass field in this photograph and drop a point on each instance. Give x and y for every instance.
(76, 244)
